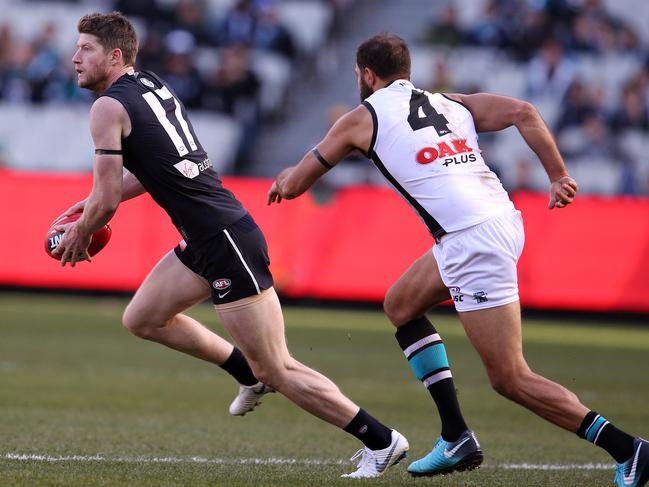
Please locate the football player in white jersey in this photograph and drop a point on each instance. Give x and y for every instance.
(426, 145)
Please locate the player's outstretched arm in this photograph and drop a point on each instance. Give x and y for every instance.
(352, 131)
(107, 119)
(106, 126)
(131, 188)
(494, 112)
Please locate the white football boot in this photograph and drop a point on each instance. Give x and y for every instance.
(248, 398)
(374, 463)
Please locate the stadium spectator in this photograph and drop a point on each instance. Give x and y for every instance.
(3, 160)
(43, 68)
(529, 33)
(234, 89)
(628, 41)
(631, 114)
(189, 15)
(15, 80)
(151, 54)
(238, 25)
(6, 44)
(442, 79)
(490, 29)
(586, 34)
(270, 35)
(592, 138)
(146, 9)
(444, 28)
(179, 69)
(578, 102)
(524, 175)
(550, 73)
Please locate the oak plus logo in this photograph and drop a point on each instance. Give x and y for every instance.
(458, 152)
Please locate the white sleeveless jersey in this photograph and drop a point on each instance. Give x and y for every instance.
(426, 145)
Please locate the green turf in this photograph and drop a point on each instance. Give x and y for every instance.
(73, 382)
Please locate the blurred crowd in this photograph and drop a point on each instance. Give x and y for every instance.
(597, 123)
(33, 71)
(584, 67)
(204, 53)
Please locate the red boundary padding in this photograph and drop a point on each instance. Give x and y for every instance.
(593, 255)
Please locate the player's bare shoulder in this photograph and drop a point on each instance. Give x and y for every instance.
(357, 127)
(107, 113)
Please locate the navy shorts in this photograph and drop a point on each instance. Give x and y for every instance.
(234, 261)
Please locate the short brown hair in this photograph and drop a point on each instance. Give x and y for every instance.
(114, 31)
(386, 54)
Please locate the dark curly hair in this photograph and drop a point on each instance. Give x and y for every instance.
(386, 54)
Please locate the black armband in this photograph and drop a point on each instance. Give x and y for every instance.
(109, 152)
(322, 160)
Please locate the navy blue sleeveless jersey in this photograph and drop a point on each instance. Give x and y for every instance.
(164, 154)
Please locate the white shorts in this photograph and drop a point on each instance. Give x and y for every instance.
(478, 264)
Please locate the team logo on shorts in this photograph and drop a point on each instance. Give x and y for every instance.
(147, 82)
(480, 297)
(221, 284)
(455, 292)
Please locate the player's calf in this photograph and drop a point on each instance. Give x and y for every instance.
(426, 355)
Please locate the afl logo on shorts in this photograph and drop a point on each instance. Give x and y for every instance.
(147, 82)
(221, 284)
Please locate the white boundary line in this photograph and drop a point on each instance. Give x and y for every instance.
(34, 457)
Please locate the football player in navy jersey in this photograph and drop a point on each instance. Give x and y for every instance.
(426, 146)
(138, 123)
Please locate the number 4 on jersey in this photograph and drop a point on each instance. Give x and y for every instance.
(422, 114)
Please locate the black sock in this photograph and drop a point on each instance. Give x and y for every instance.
(237, 366)
(369, 430)
(426, 355)
(599, 431)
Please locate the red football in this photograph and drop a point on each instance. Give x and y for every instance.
(98, 240)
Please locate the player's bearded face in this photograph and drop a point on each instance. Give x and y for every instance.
(91, 63)
(364, 89)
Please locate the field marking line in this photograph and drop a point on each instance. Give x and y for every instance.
(34, 457)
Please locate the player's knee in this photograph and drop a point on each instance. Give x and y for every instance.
(395, 310)
(507, 383)
(273, 374)
(137, 323)
(271, 377)
(270, 374)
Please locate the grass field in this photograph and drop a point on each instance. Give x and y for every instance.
(82, 403)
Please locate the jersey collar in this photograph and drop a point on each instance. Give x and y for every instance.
(401, 83)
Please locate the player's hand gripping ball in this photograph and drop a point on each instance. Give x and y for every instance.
(98, 240)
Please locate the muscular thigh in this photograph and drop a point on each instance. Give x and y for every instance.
(169, 289)
(496, 335)
(417, 290)
(257, 326)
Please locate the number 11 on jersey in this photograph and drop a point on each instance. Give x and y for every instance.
(161, 115)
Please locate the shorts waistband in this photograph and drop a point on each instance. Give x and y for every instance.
(451, 235)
